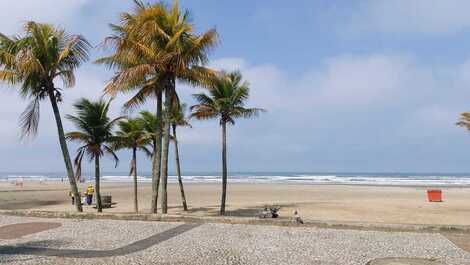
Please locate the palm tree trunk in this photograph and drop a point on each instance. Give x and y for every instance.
(166, 144)
(97, 185)
(65, 152)
(178, 169)
(157, 156)
(224, 168)
(134, 168)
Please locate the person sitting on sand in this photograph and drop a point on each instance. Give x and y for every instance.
(297, 218)
(274, 212)
(265, 213)
(89, 194)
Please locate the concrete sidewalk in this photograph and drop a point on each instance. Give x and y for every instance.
(140, 242)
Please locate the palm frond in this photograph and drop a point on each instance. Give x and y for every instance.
(247, 113)
(78, 162)
(110, 151)
(146, 151)
(78, 137)
(10, 77)
(464, 120)
(29, 119)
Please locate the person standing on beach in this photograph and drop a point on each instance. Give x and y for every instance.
(89, 194)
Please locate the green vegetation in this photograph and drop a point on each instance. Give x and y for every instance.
(154, 47)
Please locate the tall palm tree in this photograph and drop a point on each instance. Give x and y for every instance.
(35, 60)
(179, 119)
(95, 132)
(136, 64)
(154, 47)
(132, 135)
(226, 102)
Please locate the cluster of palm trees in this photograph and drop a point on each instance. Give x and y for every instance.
(97, 135)
(151, 49)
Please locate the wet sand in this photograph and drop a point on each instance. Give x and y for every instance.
(407, 205)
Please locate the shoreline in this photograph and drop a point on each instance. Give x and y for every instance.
(130, 183)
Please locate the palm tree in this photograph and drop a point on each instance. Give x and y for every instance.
(132, 135)
(136, 66)
(35, 60)
(179, 119)
(95, 133)
(226, 102)
(154, 47)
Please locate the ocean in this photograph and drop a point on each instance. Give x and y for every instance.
(386, 179)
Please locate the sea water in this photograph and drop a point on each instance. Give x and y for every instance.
(386, 179)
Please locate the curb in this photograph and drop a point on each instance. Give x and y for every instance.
(242, 220)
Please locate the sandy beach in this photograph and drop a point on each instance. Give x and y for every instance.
(407, 205)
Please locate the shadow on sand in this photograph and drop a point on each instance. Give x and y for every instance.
(213, 210)
(26, 205)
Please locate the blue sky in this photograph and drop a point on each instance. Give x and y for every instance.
(362, 86)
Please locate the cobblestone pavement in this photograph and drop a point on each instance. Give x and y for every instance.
(138, 242)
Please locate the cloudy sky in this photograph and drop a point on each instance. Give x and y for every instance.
(362, 86)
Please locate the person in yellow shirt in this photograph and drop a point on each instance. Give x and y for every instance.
(89, 194)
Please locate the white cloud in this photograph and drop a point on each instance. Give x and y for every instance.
(229, 64)
(418, 16)
(427, 97)
(354, 81)
(48, 11)
(340, 82)
(345, 98)
(429, 121)
(12, 105)
(267, 81)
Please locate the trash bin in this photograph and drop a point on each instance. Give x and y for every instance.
(435, 195)
(106, 199)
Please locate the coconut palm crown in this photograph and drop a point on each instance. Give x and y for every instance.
(132, 134)
(226, 100)
(35, 61)
(154, 45)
